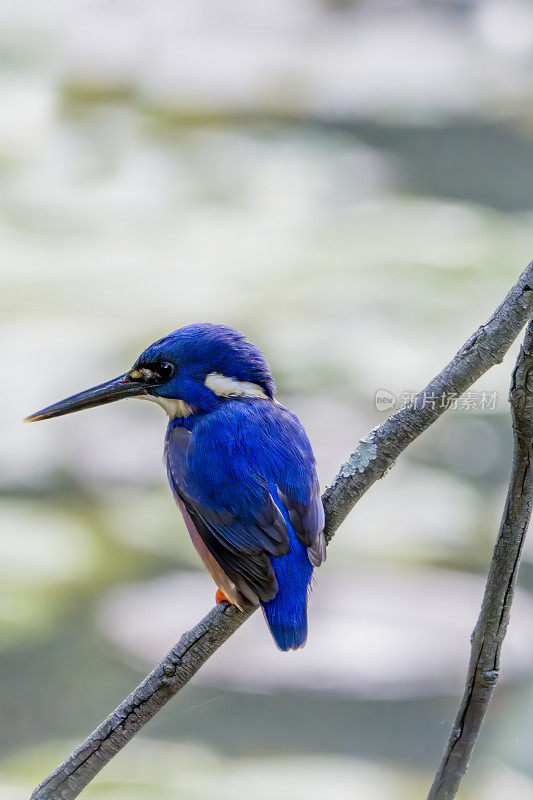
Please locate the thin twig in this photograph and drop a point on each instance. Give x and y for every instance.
(489, 633)
(370, 460)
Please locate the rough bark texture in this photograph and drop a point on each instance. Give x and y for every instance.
(373, 456)
(489, 633)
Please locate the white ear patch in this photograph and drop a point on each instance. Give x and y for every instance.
(173, 407)
(223, 386)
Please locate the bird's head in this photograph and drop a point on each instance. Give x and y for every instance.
(191, 370)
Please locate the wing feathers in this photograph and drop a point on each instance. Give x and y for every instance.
(227, 474)
(267, 532)
(308, 519)
(252, 574)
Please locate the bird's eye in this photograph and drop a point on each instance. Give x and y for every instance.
(153, 374)
(166, 370)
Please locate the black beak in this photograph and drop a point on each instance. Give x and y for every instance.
(120, 387)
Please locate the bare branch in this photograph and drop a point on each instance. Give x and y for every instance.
(489, 633)
(369, 461)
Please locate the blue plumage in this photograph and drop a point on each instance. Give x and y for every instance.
(230, 469)
(286, 613)
(240, 467)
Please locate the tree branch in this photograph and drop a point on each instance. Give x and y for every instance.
(369, 461)
(489, 633)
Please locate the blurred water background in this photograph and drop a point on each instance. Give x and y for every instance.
(350, 183)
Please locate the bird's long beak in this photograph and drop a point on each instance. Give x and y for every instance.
(120, 387)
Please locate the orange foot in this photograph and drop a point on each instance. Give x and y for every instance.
(220, 597)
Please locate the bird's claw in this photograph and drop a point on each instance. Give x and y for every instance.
(220, 597)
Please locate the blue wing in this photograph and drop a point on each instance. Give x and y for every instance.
(235, 474)
(239, 536)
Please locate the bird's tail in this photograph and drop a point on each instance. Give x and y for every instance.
(286, 613)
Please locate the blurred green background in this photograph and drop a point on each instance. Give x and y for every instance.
(350, 183)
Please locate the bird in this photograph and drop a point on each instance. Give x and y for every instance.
(240, 467)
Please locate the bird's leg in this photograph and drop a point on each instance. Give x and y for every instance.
(220, 597)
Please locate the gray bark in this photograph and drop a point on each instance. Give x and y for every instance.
(374, 454)
(489, 633)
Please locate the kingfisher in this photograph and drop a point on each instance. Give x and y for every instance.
(239, 464)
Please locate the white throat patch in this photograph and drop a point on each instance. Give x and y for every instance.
(223, 386)
(173, 407)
